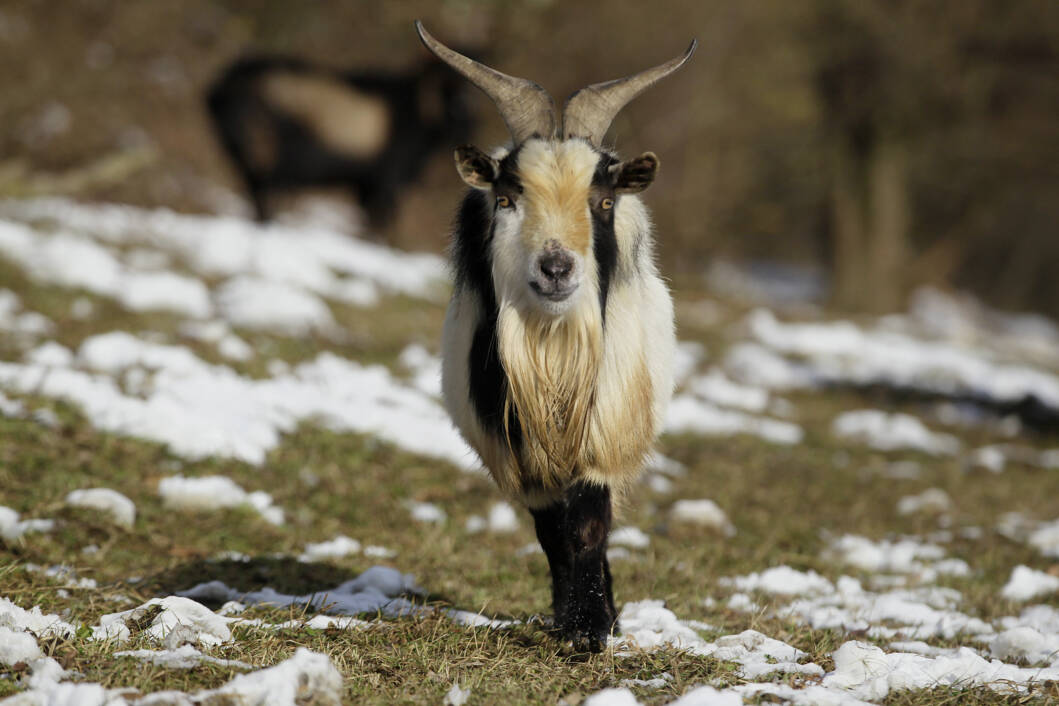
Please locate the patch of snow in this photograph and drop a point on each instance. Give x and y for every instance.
(715, 387)
(648, 625)
(1045, 538)
(477, 620)
(658, 682)
(708, 696)
(703, 512)
(613, 696)
(278, 307)
(869, 673)
(759, 655)
(629, 537)
(426, 512)
(306, 677)
(10, 407)
(689, 414)
(183, 657)
(323, 622)
(1026, 583)
(456, 696)
(200, 410)
(991, 458)
(658, 483)
(17, 645)
(1026, 643)
(1043, 618)
(904, 556)
(235, 348)
(12, 528)
(424, 367)
(781, 580)
(922, 648)
(889, 432)
(214, 493)
(64, 574)
(336, 548)
(742, 603)
(916, 614)
(841, 352)
(932, 501)
(70, 260)
(689, 354)
(173, 612)
(963, 319)
(665, 465)
(110, 502)
(376, 552)
(313, 256)
(33, 620)
(165, 291)
(753, 364)
(1015, 526)
(502, 518)
(50, 354)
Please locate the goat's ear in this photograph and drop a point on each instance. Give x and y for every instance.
(635, 175)
(476, 168)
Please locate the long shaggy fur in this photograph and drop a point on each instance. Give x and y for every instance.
(552, 366)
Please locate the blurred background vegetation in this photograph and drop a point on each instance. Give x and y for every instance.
(879, 144)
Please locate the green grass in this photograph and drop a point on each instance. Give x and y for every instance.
(782, 500)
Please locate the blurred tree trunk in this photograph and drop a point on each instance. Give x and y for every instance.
(869, 101)
(888, 247)
(870, 222)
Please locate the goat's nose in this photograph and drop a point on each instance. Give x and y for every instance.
(556, 265)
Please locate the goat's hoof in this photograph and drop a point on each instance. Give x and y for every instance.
(589, 643)
(586, 639)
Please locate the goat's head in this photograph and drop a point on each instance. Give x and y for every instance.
(554, 193)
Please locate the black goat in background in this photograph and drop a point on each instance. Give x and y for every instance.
(288, 124)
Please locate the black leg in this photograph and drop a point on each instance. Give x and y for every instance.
(590, 613)
(551, 533)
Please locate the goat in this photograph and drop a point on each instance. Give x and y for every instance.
(287, 124)
(558, 343)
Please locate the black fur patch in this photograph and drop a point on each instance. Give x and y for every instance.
(604, 239)
(472, 262)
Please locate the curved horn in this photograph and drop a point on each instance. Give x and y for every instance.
(589, 112)
(526, 108)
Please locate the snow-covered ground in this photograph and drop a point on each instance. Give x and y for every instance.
(225, 280)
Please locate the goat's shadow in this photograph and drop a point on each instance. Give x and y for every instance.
(285, 575)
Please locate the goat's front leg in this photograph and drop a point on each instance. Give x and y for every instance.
(550, 523)
(590, 613)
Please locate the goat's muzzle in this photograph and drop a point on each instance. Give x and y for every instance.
(554, 277)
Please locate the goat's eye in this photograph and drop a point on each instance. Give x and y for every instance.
(606, 204)
(503, 202)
